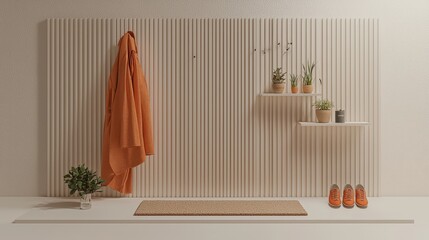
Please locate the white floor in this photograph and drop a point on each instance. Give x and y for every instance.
(389, 218)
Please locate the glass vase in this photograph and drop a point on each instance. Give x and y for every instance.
(85, 201)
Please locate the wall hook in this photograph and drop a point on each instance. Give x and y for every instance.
(266, 50)
(288, 47)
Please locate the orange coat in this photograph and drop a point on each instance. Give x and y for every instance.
(127, 123)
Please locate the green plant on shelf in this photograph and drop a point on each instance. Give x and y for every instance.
(307, 78)
(82, 180)
(323, 104)
(294, 80)
(279, 76)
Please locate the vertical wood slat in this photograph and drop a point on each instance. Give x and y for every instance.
(215, 137)
(49, 102)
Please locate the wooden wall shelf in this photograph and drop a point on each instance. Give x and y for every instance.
(333, 124)
(290, 94)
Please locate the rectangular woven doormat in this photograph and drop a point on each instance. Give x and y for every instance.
(220, 208)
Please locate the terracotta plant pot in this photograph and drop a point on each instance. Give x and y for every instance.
(294, 89)
(279, 87)
(307, 88)
(323, 116)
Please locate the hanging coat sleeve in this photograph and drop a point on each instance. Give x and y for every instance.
(126, 108)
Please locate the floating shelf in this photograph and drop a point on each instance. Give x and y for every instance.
(333, 124)
(290, 94)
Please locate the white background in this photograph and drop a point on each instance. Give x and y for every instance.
(404, 66)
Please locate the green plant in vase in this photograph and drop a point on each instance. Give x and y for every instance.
(323, 110)
(307, 78)
(294, 83)
(83, 181)
(278, 80)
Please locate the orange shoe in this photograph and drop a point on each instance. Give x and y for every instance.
(348, 196)
(334, 196)
(361, 200)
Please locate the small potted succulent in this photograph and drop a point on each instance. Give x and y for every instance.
(323, 110)
(294, 83)
(279, 81)
(307, 79)
(83, 181)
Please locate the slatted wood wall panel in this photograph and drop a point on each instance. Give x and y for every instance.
(214, 136)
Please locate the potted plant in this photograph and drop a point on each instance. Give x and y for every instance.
(307, 79)
(323, 110)
(278, 81)
(294, 83)
(83, 181)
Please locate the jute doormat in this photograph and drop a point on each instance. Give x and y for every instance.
(220, 208)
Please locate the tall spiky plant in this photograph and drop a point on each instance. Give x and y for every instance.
(308, 68)
(294, 80)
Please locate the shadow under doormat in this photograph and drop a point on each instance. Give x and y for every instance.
(220, 208)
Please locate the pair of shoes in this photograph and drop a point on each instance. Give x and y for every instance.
(348, 196)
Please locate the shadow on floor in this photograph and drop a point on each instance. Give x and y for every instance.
(59, 205)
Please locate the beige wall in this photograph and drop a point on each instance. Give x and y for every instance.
(404, 34)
